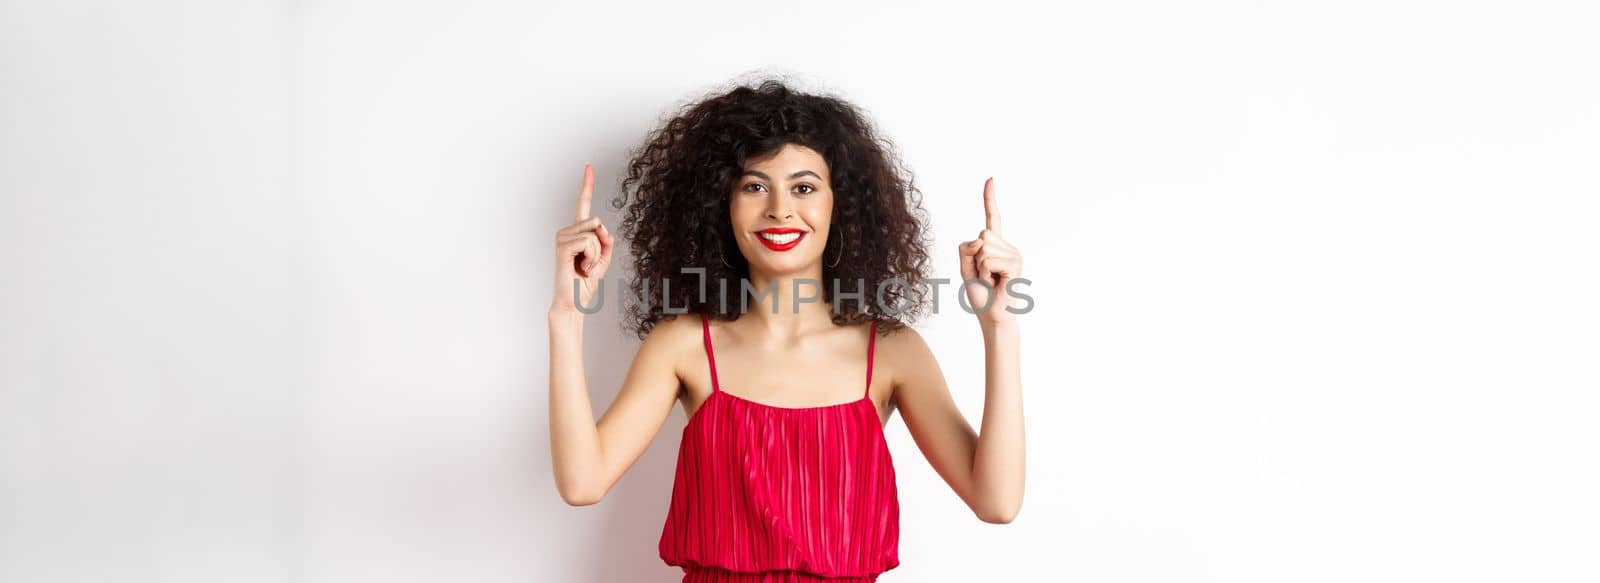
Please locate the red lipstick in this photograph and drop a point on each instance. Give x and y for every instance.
(780, 238)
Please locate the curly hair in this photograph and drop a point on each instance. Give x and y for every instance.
(682, 180)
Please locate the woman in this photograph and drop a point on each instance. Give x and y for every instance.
(746, 205)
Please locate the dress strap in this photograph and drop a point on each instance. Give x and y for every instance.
(872, 340)
(711, 357)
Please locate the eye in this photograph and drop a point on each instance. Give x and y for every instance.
(808, 187)
(747, 187)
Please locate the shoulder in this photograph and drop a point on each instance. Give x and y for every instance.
(672, 339)
(900, 338)
(676, 330)
(903, 350)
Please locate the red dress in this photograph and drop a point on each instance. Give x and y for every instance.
(768, 494)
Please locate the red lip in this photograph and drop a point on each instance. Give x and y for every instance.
(780, 231)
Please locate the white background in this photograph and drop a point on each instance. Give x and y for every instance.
(1315, 282)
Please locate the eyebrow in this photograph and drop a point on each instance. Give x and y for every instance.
(764, 176)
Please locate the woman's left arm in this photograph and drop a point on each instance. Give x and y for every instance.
(985, 468)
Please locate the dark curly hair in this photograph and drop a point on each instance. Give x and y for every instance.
(682, 178)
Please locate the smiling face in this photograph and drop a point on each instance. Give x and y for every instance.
(781, 207)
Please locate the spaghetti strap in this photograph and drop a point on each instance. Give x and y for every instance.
(711, 357)
(872, 340)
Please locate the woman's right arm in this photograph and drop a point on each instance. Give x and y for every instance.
(589, 457)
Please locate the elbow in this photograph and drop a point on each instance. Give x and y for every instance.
(578, 495)
(581, 499)
(999, 515)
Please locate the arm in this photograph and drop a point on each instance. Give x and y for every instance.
(998, 466)
(590, 457)
(986, 469)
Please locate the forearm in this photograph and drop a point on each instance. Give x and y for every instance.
(998, 461)
(575, 450)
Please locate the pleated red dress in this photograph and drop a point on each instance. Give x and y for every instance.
(782, 494)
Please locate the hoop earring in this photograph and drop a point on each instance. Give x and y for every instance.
(841, 251)
(723, 257)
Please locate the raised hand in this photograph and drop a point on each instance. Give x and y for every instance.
(583, 253)
(992, 259)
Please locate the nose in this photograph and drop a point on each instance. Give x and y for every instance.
(779, 208)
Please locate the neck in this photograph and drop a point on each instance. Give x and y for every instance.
(780, 312)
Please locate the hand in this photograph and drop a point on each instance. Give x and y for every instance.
(992, 259)
(583, 252)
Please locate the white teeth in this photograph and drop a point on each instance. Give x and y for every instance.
(780, 239)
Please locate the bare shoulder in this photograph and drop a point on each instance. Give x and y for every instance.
(905, 358)
(902, 344)
(673, 339)
(677, 327)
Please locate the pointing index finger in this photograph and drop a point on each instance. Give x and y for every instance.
(991, 208)
(586, 194)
